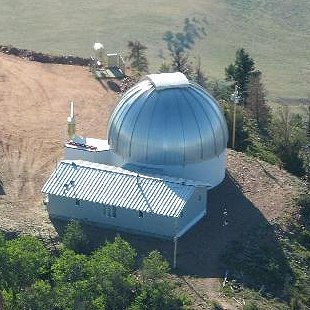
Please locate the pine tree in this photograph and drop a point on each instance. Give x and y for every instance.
(199, 76)
(137, 56)
(180, 63)
(256, 101)
(240, 71)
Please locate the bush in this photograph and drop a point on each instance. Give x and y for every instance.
(250, 306)
(304, 202)
(74, 237)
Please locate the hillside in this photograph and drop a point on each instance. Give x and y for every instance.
(275, 32)
(34, 105)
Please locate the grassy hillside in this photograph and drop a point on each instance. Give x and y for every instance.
(275, 32)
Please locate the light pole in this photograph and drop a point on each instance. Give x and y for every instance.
(235, 99)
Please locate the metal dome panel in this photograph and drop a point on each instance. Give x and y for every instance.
(167, 126)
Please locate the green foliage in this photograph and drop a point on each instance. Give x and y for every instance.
(154, 267)
(137, 56)
(164, 68)
(119, 251)
(242, 133)
(199, 76)
(250, 306)
(240, 71)
(156, 297)
(69, 267)
(304, 202)
(289, 136)
(39, 296)
(256, 102)
(106, 279)
(74, 237)
(297, 304)
(220, 90)
(27, 261)
(258, 146)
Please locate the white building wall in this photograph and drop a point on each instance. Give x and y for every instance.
(125, 220)
(210, 172)
(194, 211)
(129, 220)
(101, 157)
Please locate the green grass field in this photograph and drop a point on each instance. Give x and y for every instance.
(276, 33)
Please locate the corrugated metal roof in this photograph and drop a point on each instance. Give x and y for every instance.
(118, 187)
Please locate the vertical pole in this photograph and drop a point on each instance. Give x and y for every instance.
(235, 100)
(175, 240)
(234, 128)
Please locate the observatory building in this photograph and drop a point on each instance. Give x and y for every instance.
(166, 148)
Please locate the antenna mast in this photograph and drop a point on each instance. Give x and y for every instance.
(71, 122)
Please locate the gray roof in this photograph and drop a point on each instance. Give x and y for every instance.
(167, 120)
(118, 187)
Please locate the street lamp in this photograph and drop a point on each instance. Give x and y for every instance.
(235, 99)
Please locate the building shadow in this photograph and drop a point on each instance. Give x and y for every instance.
(233, 233)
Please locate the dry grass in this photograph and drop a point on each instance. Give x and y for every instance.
(276, 33)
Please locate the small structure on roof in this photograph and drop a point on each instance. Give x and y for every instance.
(166, 147)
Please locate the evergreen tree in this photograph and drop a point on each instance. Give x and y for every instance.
(137, 56)
(240, 71)
(180, 63)
(256, 102)
(74, 237)
(199, 76)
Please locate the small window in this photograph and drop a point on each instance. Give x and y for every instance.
(140, 214)
(199, 198)
(77, 202)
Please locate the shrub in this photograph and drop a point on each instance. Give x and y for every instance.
(74, 237)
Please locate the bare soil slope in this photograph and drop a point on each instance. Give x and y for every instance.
(34, 104)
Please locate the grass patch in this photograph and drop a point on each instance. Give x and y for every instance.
(276, 34)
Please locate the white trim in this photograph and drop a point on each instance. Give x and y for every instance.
(191, 223)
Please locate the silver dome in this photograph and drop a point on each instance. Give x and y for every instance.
(167, 120)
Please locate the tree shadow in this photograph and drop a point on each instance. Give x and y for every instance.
(234, 237)
(2, 191)
(114, 86)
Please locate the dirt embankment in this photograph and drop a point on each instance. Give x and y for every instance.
(34, 104)
(45, 58)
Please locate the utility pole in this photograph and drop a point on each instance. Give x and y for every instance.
(235, 99)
